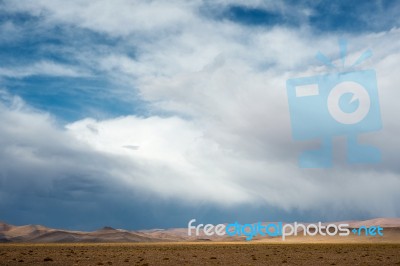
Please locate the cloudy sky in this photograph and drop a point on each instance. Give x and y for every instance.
(146, 114)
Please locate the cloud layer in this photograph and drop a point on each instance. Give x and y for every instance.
(216, 129)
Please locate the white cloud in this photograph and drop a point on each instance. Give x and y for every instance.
(44, 68)
(229, 139)
(117, 18)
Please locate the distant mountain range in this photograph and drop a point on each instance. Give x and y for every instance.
(42, 234)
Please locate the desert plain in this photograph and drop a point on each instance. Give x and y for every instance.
(39, 245)
(199, 254)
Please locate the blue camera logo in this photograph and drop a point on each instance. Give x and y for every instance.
(335, 104)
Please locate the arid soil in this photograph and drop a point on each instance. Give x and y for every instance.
(199, 254)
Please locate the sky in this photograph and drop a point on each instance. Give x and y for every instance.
(146, 114)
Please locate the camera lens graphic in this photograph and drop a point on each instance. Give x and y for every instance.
(358, 93)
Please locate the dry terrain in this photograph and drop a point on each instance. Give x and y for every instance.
(210, 253)
(41, 234)
(39, 245)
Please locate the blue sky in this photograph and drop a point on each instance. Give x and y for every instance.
(76, 97)
(141, 114)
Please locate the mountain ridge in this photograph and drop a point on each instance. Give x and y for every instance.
(42, 234)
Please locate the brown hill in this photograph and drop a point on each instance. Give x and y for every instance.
(42, 234)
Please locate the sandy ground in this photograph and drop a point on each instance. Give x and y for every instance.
(200, 254)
